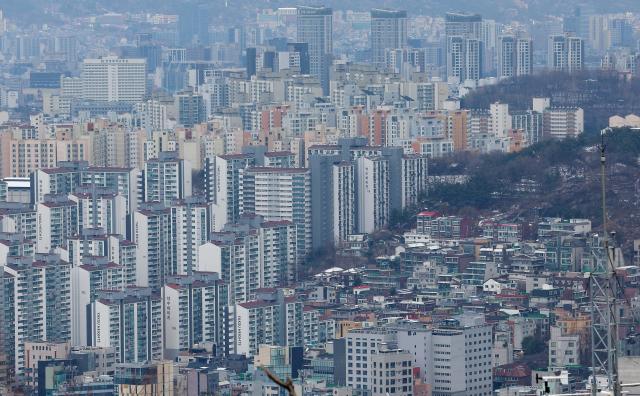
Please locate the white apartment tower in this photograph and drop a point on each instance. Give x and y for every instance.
(500, 121)
(344, 199)
(100, 207)
(372, 184)
(57, 219)
(190, 228)
(280, 194)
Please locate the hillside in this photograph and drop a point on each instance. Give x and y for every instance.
(600, 94)
(549, 179)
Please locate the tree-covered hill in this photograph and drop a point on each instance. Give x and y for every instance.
(553, 178)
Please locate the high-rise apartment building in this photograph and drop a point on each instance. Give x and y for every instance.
(388, 31)
(415, 169)
(515, 56)
(372, 184)
(37, 304)
(315, 27)
(565, 53)
(111, 79)
(338, 195)
(100, 207)
(191, 109)
(57, 219)
(280, 194)
(93, 274)
(562, 122)
(151, 115)
(253, 254)
(464, 46)
(130, 321)
(154, 256)
(68, 176)
(194, 312)
(464, 58)
(273, 318)
(222, 180)
(190, 228)
(343, 221)
(166, 178)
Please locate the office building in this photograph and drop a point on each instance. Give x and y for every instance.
(388, 31)
(315, 27)
(37, 351)
(361, 346)
(111, 79)
(392, 372)
(455, 356)
(298, 54)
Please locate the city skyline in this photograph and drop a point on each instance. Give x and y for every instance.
(374, 199)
